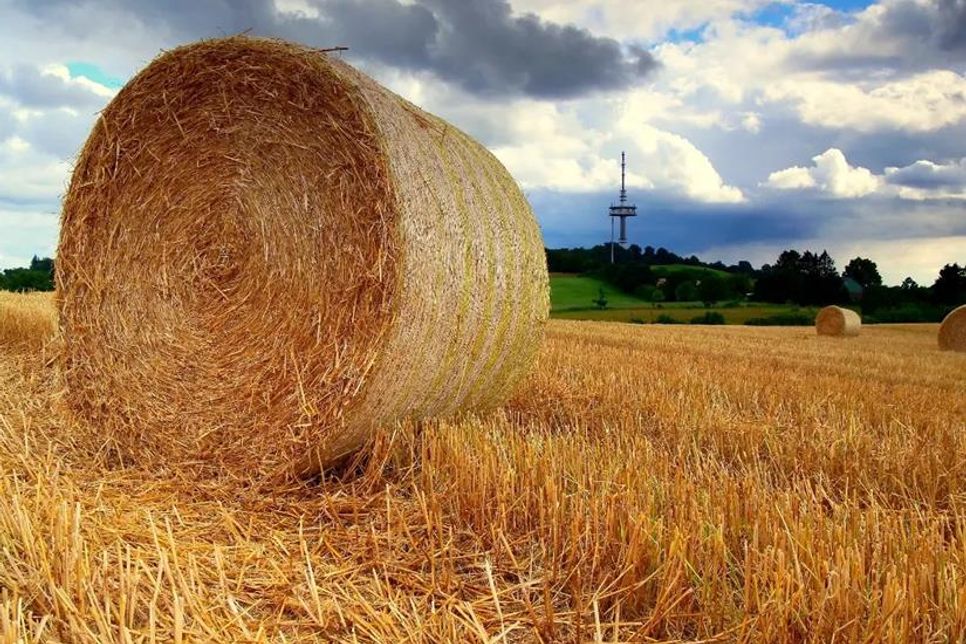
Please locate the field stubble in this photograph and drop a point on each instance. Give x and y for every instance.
(750, 484)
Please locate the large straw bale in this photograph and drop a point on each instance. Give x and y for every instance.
(265, 254)
(838, 321)
(952, 332)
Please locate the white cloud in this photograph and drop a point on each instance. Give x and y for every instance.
(575, 145)
(921, 103)
(26, 233)
(794, 178)
(29, 176)
(832, 174)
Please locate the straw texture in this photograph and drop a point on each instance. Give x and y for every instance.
(27, 321)
(265, 255)
(952, 332)
(838, 321)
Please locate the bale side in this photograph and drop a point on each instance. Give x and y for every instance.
(838, 321)
(952, 331)
(474, 294)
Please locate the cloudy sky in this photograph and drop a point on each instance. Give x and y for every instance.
(750, 125)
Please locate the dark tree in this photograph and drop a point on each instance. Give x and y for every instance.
(713, 289)
(601, 301)
(950, 286)
(864, 271)
(686, 292)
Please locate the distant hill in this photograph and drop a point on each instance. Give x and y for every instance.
(665, 270)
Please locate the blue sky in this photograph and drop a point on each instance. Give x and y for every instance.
(750, 126)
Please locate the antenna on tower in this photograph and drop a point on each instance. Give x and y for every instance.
(623, 190)
(623, 211)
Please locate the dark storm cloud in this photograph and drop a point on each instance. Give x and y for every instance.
(940, 24)
(483, 46)
(686, 227)
(29, 87)
(676, 223)
(479, 45)
(953, 19)
(907, 35)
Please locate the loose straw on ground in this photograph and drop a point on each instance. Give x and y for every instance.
(952, 332)
(838, 321)
(265, 255)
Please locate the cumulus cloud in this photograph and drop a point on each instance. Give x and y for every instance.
(899, 35)
(29, 176)
(481, 46)
(921, 103)
(927, 180)
(50, 86)
(833, 175)
(929, 175)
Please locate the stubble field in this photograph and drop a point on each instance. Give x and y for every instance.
(645, 483)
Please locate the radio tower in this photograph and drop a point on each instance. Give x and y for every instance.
(622, 210)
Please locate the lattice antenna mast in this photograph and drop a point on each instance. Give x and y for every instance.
(623, 210)
(623, 190)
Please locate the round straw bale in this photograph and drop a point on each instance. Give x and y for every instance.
(264, 255)
(838, 321)
(952, 332)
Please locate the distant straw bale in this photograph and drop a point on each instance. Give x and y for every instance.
(952, 332)
(265, 255)
(838, 321)
(27, 320)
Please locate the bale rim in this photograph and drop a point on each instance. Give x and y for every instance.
(264, 254)
(952, 331)
(838, 321)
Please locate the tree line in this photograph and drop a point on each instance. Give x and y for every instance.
(804, 278)
(39, 276)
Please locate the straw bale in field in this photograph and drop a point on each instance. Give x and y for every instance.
(838, 321)
(265, 254)
(952, 332)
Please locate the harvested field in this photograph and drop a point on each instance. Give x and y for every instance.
(729, 483)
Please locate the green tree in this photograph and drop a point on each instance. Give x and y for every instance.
(686, 292)
(601, 300)
(713, 289)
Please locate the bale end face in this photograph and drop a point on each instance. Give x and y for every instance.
(952, 331)
(838, 322)
(264, 255)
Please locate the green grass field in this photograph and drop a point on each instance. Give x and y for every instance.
(572, 298)
(574, 292)
(663, 270)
